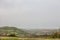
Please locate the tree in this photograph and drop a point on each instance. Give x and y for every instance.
(12, 35)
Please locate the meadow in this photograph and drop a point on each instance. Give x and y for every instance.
(15, 38)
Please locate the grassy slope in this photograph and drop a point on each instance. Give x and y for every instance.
(10, 30)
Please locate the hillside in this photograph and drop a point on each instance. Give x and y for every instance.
(42, 31)
(13, 30)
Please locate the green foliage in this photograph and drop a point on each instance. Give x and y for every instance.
(12, 35)
(56, 35)
(13, 31)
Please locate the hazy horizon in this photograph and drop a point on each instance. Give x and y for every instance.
(30, 14)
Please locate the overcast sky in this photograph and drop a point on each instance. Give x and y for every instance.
(30, 13)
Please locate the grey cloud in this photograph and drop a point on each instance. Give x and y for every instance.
(30, 13)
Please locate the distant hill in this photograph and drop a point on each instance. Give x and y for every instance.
(13, 30)
(51, 33)
(42, 31)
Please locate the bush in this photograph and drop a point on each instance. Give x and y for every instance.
(12, 35)
(56, 35)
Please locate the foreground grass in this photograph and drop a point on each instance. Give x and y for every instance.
(16, 38)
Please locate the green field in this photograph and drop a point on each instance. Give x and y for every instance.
(15, 38)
